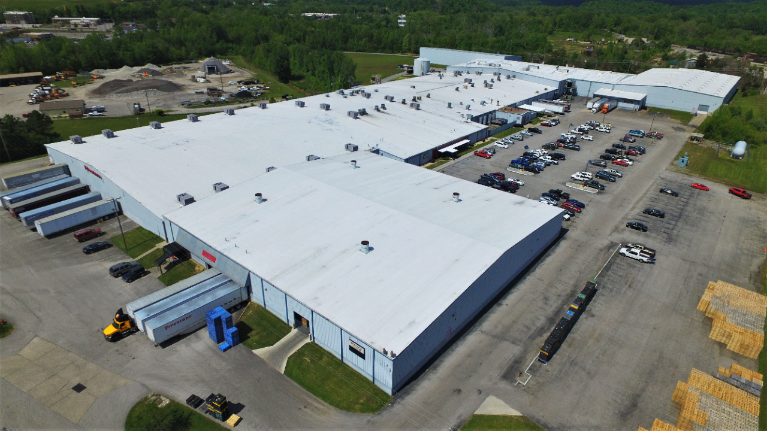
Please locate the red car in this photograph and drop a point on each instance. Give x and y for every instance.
(571, 207)
(631, 153)
(483, 154)
(740, 193)
(26, 115)
(546, 123)
(620, 162)
(500, 175)
(699, 186)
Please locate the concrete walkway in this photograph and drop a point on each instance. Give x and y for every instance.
(277, 355)
(697, 120)
(494, 406)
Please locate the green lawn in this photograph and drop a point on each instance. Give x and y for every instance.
(5, 329)
(500, 423)
(334, 382)
(259, 328)
(139, 241)
(276, 88)
(751, 174)
(93, 126)
(148, 260)
(375, 64)
(67, 83)
(757, 101)
(146, 415)
(684, 117)
(180, 272)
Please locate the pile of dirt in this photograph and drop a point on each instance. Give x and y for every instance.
(148, 71)
(124, 86)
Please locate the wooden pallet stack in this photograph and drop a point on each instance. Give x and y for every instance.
(744, 372)
(736, 314)
(659, 425)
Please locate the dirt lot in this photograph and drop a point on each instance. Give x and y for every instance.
(162, 88)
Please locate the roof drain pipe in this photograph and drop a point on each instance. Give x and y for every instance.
(354, 164)
(365, 247)
(259, 198)
(456, 197)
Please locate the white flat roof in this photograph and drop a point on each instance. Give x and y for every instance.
(698, 81)
(305, 239)
(619, 94)
(549, 71)
(532, 108)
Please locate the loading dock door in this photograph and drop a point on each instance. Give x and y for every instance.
(300, 323)
(703, 109)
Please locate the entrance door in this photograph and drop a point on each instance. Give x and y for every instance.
(702, 109)
(300, 323)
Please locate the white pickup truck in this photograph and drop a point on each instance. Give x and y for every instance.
(636, 255)
(581, 176)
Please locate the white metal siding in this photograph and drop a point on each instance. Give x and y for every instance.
(449, 57)
(327, 334)
(383, 372)
(297, 307)
(275, 301)
(364, 366)
(256, 289)
(222, 263)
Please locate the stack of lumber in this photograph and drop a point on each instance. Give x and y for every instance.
(738, 317)
(659, 425)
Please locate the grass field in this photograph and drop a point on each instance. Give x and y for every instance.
(276, 88)
(684, 117)
(5, 329)
(146, 415)
(751, 174)
(148, 260)
(500, 423)
(259, 328)
(93, 126)
(758, 102)
(375, 64)
(139, 241)
(67, 83)
(180, 272)
(334, 382)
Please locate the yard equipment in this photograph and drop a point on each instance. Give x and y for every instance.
(137, 109)
(217, 406)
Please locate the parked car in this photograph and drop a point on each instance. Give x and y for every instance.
(626, 160)
(577, 203)
(587, 138)
(135, 272)
(636, 226)
(535, 130)
(699, 186)
(571, 207)
(627, 138)
(95, 114)
(483, 154)
(560, 194)
(574, 147)
(603, 129)
(668, 191)
(655, 135)
(600, 163)
(637, 133)
(613, 151)
(119, 269)
(578, 177)
(602, 175)
(557, 156)
(654, 212)
(500, 175)
(518, 137)
(550, 196)
(576, 132)
(632, 153)
(594, 184)
(546, 123)
(550, 146)
(642, 248)
(517, 181)
(615, 172)
(607, 157)
(636, 255)
(96, 246)
(548, 201)
(501, 144)
(619, 146)
(620, 162)
(638, 148)
(566, 217)
(568, 212)
(86, 234)
(740, 192)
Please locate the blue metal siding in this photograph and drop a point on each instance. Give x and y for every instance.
(327, 334)
(479, 294)
(275, 301)
(389, 155)
(297, 307)
(383, 372)
(364, 366)
(224, 264)
(256, 289)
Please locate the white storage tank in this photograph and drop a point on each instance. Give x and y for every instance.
(739, 151)
(421, 66)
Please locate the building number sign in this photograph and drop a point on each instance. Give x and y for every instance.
(356, 349)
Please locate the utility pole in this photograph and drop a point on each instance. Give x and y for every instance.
(652, 122)
(146, 94)
(5, 146)
(117, 212)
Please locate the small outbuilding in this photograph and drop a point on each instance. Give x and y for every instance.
(625, 99)
(739, 151)
(214, 66)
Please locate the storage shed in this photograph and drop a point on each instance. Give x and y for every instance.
(214, 66)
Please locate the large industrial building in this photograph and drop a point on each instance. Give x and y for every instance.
(318, 206)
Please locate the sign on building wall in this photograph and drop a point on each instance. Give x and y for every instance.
(356, 349)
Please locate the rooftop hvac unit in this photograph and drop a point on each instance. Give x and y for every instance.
(496, 73)
(366, 95)
(485, 82)
(185, 199)
(270, 169)
(490, 86)
(467, 80)
(428, 95)
(311, 157)
(468, 107)
(76, 139)
(229, 111)
(449, 105)
(261, 105)
(389, 98)
(108, 133)
(300, 103)
(377, 108)
(351, 148)
(325, 106)
(352, 114)
(478, 72)
(415, 106)
(404, 102)
(383, 106)
(457, 89)
(472, 85)
(508, 76)
(220, 187)
(412, 86)
(155, 125)
(419, 98)
(193, 118)
(362, 111)
(414, 99)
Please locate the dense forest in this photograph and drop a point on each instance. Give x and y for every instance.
(277, 38)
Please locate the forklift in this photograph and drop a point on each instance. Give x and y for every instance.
(122, 326)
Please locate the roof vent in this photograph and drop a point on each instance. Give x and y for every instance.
(108, 133)
(270, 169)
(457, 89)
(366, 95)
(185, 199)
(404, 101)
(377, 108)
(220, 187)
(449, 104)
(467, 80)
(354, 164)
(383, 106)
(155, 125)
(478, 72)
(259, 198)
(300, 103)
(351, 148)
(352, 114)
(365, 247)
(76, 139)
(389, 98)
(311, 157)
(325, 106)
(428, 95)
(261, 105)
(456, 197)
(229, 111)
(193, 118)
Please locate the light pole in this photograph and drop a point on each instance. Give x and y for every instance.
(652, 122)
(114, 202)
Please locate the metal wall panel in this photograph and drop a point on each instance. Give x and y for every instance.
(383, 372)
(327, 334)
(276, 302)
(477, 296)
(450, 57)
(362, 365)
(222, 263)
(297, 307)
(389, 155)
(256, 289)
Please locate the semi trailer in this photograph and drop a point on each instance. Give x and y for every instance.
(33, 175)
(75, 217)
(26, 187)
(47, 199)
(28, 218)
